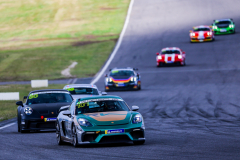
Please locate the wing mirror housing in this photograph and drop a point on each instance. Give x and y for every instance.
(183, 52)
(104, 93)
(64, 108)
(157, 53)
(106, 75)
(19, 103)
(190, 31)
(67, 113)
(135, 108)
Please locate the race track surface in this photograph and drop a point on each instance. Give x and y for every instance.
(190, 112)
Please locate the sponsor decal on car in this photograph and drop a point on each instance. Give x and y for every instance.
(49, 119)
(114, 131)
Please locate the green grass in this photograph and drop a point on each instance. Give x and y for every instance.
(47, 62)
(8, 109)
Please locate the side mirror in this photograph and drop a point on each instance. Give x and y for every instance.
(63, 108)
(19, 103)
(190, 31)
(210, 26)
(183, 52)
(157, 53)
(67, 113)
(104, 93)
(106, 75)
(135, 108)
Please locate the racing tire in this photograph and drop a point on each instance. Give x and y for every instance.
(58, 134)
(139, 87)
(138, 142)
(74, 134)
(20, 128)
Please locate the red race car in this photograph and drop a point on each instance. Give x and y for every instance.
(201, 34)
(171, 55)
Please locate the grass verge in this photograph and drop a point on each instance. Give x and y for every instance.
(8, 109)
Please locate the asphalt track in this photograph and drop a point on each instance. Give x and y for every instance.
(190, 112)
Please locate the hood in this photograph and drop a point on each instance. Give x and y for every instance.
(46, 109)
(108, 118)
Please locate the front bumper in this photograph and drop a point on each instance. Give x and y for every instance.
(37, 124)
(127, 86)
(202, 40)
(228, 30)
(100, 136)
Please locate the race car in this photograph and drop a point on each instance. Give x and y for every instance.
(201, 34)
(171, 55)
(41, 109)
(83, 90)
(100, 119)
(122, 79)
(223, 26)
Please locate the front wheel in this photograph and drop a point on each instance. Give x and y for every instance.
(74, 134)
(138, 142)
(58, 134)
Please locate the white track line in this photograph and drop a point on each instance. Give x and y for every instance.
(8, 125)
(97, 77)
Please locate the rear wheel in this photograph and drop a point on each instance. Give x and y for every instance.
(74, 134)
(58, 134)
(138, 142)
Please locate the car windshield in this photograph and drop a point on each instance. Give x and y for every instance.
(222, 22)
(201, 29)
(99, 105)
(49, 97)
(121, 73)
(171, 52)
(82, 90)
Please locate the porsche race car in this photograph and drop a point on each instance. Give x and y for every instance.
(201, 34)
(100, 119)
(171, 55)
(223, 26)
(83, 90)
(41, 109)
(122, 79)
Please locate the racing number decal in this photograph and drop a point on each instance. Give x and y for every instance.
(80, 105)
(33, 96)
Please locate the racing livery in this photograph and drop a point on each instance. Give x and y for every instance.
(223, 26)
(83, 90)
(171, 55)
(100, 119)
(41, 109)
(201, 34)
(122, 79)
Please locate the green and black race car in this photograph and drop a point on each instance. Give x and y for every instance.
(223, 26)
(99, 119)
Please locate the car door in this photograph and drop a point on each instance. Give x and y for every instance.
(69, 120)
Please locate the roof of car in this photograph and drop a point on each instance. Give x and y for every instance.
(46, 90)
(99, 97)
(80, 85)
(126, 68)
(170, 48)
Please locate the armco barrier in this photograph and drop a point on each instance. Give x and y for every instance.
(39, 83)
(9, 96)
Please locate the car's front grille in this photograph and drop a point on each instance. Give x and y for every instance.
(115, 139)
(47, 125)
(89, 137)
(223, 26)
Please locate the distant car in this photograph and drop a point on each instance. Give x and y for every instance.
(201, 34)
(122, 79)
(100, 119)
(83, 90)
(171, 55)
(41, 109)
(223, 26)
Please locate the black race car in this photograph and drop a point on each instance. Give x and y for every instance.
(41, 109)
(122, 79)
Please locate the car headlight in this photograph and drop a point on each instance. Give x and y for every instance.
(231, 26)
(137, 119)
(179, 56)
(84, 122)
(110, 79)
(209, 33)
(214, 27)
(192, 34)
(28, 110)
(133, 78)
(159, 57)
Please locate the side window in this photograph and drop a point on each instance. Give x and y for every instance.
(72, 108)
